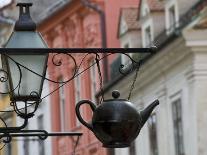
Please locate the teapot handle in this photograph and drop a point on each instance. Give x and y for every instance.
(77, 110)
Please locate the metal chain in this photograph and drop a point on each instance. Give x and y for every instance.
(76, 144)
(134, 80)
(100, 77)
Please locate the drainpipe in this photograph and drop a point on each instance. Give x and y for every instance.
(101, 13)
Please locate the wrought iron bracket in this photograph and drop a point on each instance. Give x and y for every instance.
(99, 54)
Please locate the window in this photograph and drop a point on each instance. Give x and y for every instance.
(77, 93)
(26, 144)
(41, 142)
(148, 36)
(62, 105)
(8, 149)
(125, 59)
(93, 78)
(171, 16)
(153, 135)
(114, 67)
(77, 88)
(132, 149)
(177, 126)
(126, 46)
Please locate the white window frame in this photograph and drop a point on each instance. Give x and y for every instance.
(168, 6)
(123, 27)
(153, 118)
(93, 79)
(147, 24)
(77, 87)
(173, 98)
(62, 105)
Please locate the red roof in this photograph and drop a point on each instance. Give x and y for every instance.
(130, 17)
(156, 5)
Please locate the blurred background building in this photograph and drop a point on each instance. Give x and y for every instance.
(176, 74)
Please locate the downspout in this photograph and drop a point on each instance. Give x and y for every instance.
(101, 13)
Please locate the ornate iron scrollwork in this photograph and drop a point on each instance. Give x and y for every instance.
(6, 133)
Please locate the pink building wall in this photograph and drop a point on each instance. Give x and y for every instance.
(77, 26)
(112, 12)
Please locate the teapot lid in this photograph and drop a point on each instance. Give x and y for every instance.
(116, 95)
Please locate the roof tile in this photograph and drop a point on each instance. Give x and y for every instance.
(130, 17)
(156, 5)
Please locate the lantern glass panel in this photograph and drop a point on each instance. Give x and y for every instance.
(30, 82)
(26, 82)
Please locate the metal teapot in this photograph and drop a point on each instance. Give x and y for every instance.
(115, 122)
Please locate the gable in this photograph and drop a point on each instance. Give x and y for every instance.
(122, 26)
(128, 20)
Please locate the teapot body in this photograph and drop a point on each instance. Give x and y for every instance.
(116, 124)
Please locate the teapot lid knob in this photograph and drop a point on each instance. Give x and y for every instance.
(115, 94)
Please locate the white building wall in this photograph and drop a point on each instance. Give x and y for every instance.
(132, 38)
(44, 109)
(167, 76)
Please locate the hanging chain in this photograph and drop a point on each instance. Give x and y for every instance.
(134, 80)
(100, 77)
(76, 144)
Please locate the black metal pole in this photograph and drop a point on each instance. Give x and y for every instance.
(76, 50)
(53, 134)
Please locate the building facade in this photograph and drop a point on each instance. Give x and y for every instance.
(32, 145)
(40, 121)
(175, 75)
(74, 25)
(6, 23)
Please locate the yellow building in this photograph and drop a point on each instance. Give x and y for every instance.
(7, 16)
(10, 119)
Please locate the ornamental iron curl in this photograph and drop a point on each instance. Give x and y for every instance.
(76, 58)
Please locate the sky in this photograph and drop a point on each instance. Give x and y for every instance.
(4, 2)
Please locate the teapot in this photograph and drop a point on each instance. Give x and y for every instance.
(115, 122)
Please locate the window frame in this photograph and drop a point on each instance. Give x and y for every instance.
(177, 95)
(153, 117)
(177, 139)
(147, 24)
(62, 104)
(77, 91)
(169, 6)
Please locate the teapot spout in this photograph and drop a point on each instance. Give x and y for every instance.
(145, 114)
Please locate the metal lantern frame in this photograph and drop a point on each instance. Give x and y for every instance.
(7, 133)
